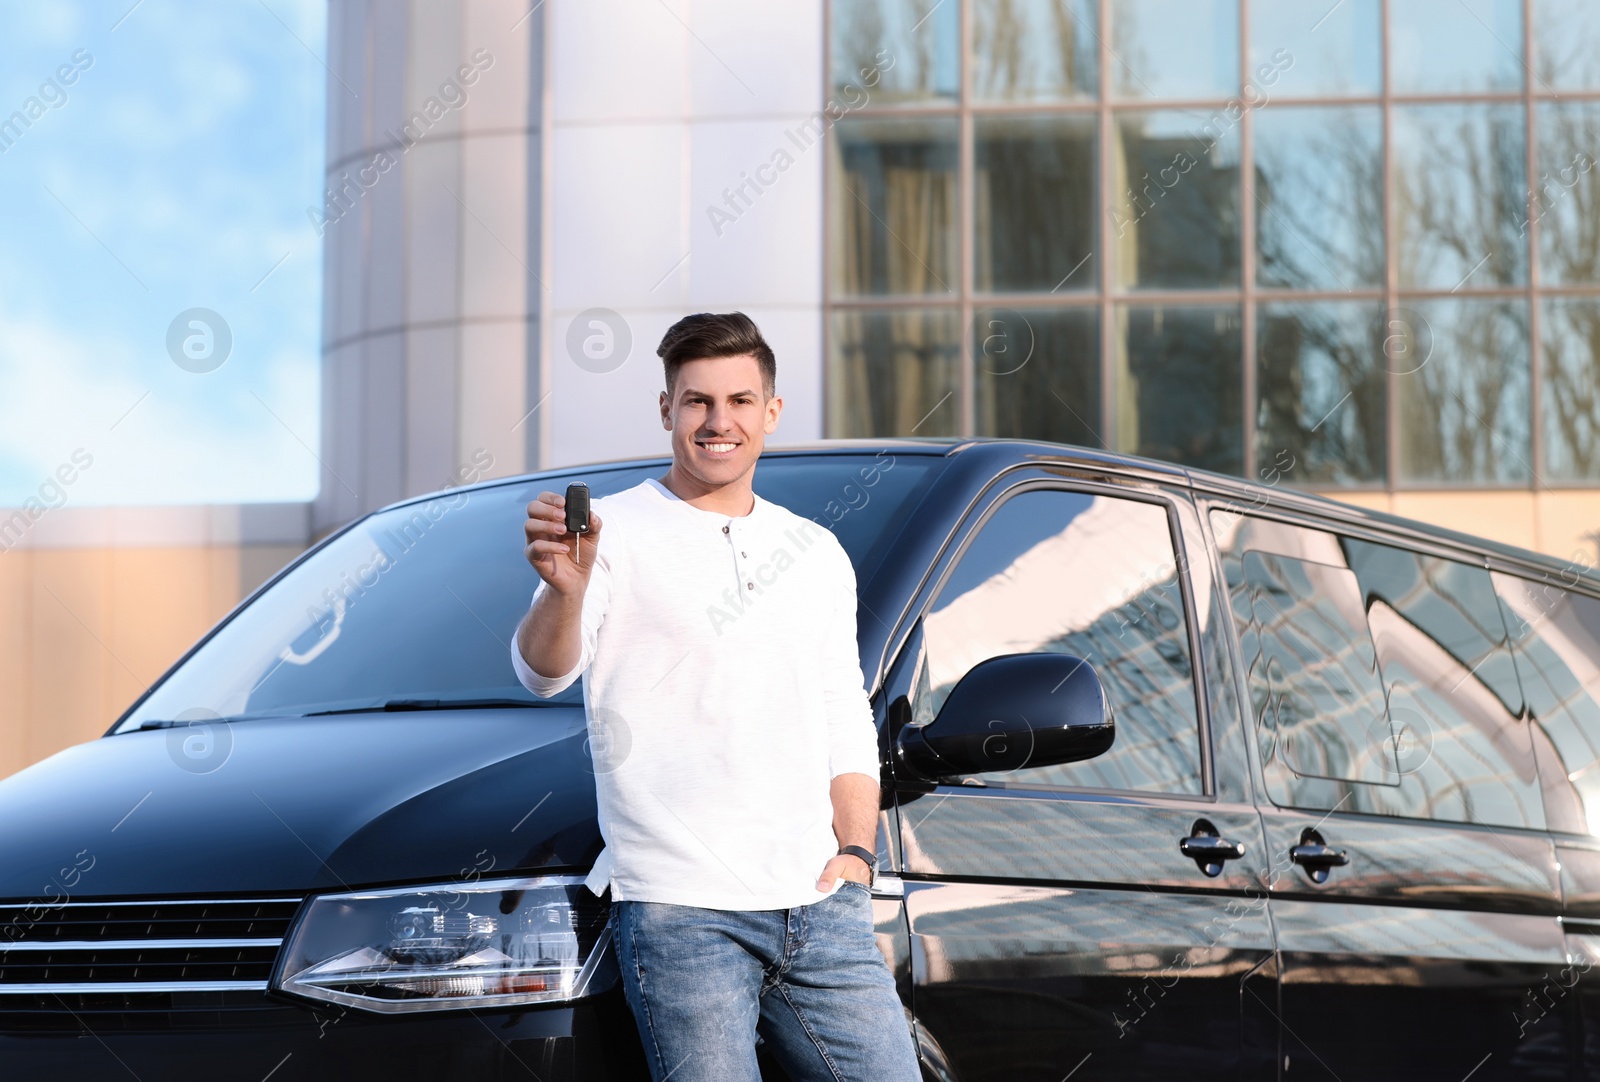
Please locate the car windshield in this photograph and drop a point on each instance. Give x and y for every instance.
(415, 607)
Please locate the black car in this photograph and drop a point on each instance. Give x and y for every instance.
(1185, 778)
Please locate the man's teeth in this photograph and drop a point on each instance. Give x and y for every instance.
(718, 448)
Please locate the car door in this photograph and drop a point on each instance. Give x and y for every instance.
(1555, 640)
(1056, 927)
(1414, 890)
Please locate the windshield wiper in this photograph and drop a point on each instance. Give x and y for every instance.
(395, 705)
(391, 706)
(174, 723)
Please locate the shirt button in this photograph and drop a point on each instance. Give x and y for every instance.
(751, 585)
(744, 554)
(724, 529)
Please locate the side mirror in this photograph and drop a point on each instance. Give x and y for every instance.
(1013, 711)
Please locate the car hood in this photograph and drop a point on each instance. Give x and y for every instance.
(299, 804)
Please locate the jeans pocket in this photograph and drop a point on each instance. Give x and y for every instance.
(865, 890)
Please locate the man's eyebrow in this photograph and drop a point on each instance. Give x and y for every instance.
(692, 393)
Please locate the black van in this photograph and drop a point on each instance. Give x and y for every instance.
(1185, 778)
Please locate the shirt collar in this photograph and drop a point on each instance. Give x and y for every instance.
(757, 513)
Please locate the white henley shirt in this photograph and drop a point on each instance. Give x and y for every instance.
(723, 691)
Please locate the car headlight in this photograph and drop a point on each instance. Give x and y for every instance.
(491, 943)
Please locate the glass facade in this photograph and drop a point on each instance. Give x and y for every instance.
(1346, 245)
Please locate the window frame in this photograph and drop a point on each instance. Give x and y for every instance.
(908, 637)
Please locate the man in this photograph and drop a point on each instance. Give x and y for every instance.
(738, 783)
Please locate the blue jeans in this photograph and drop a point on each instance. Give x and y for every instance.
(810, 980)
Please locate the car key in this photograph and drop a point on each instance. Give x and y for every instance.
(578, 512)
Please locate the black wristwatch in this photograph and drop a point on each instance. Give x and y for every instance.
(868, 856)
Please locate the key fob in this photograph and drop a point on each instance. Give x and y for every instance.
(578, 508)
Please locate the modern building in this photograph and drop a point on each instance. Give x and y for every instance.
(1346, 246)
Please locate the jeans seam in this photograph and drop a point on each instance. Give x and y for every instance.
(644, 1000)
(792, 942)
(805, 1024)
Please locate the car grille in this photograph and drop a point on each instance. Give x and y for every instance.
(110, 951)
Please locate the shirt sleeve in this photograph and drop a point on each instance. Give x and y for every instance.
(595, 601)
(852, 733)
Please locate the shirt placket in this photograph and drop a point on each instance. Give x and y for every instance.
(739, 546)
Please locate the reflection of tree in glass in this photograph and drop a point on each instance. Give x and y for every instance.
(1460, 192)
(1321, 392)
(1566, 194)
(1319, 199)
(1564, 44)
(1128, 56)
(1571, 406)
(1566, 205)
(861, 30)
(1464, 416)
(1028, 48)
(1460, 199)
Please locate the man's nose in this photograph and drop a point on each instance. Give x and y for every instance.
(719, 419)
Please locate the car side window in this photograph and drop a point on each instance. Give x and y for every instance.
(1381, 679)
(1094, 576)
(1316, 676)
(1555, 636)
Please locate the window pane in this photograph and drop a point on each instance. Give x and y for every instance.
(1037, 374)
(1556, 639)
(1321, 392)
(1452, 45)
(1464, 414)
(894, 373)
(1096, 578)
(1035, 50)
(914, 45)
(1319, 197)
(1175, 224)
(1454, 700)
(1460, 195)
(1315, 677)
(1566, 43)
(1566, 193)
(1033, 190)
(894, 207)
(1175, 48)
(1381, 680)
(1179, 386)
(1332, 48)
(1571, 393)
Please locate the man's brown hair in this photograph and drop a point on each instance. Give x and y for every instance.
(705, 335)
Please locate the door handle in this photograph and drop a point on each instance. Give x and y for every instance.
(1207, 850)
(1203, 847)
(1316, 857)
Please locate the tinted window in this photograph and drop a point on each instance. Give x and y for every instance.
(1315, 674)
(421, 602)
(1556, 642)
(1091, 576)
(1381, 679)
(1452, 686)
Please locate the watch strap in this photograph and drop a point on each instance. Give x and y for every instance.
(866, 855)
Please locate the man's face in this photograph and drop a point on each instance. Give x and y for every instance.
(718, 419)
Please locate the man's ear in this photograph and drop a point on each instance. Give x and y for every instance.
(666, 413)
(774, 410)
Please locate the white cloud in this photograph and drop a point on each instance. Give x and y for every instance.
(175, 176)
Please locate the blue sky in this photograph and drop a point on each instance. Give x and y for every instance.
(174, 175)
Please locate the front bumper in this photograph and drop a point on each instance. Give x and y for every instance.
(253, 1038)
